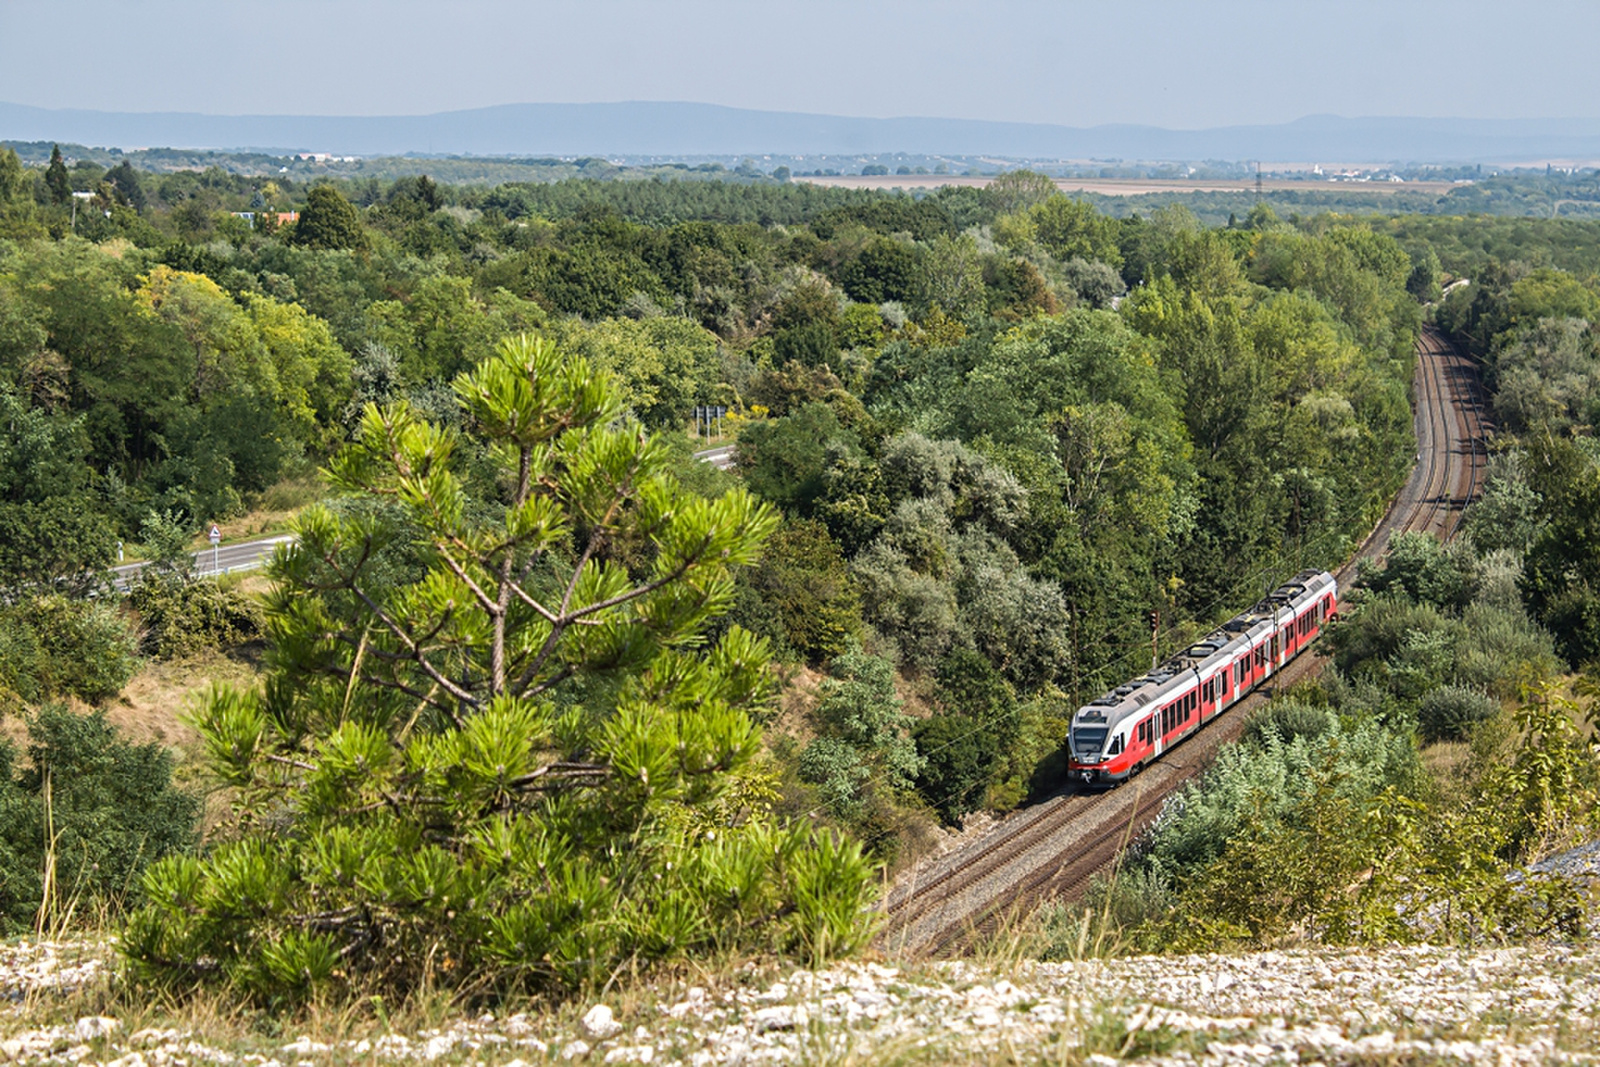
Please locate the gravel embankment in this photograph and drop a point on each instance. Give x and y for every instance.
(1503, 1006)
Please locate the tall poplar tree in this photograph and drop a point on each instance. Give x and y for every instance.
(55, 178)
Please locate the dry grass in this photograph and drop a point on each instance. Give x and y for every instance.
(152, 705)
(273, 510)
(798, 695)
(1449, 764)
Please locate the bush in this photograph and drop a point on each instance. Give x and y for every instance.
(1260, 784)
(1286, 720)
(958, 756)
(55, 646)
(184, 617)
(1450, 712)
(1425, 572)
(806, 593)
(111, 809)
(961, 749)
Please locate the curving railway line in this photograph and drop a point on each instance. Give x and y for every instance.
(1053, 848)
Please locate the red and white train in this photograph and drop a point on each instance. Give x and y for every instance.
(1116, 735)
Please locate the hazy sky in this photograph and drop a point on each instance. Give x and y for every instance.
(1175, 63)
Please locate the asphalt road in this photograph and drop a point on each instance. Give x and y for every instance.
(224, 559)
(721, 457)
(248, 555)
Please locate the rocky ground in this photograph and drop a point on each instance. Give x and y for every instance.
(1401, 1005)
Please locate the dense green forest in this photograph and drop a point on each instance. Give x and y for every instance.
(1450, 743)
(981, 434)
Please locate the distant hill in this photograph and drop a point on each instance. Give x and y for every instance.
(685, 129)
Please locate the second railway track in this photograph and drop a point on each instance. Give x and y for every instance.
(1054, 848)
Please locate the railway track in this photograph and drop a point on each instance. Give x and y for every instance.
(1054, 848)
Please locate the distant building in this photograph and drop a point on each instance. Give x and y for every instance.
(280, 217)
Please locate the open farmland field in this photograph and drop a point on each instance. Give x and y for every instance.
(1127, 186)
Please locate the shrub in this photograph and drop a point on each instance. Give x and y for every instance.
(55, 646)
(1424, 572)
(962, 748)
(958, 756)
(835, 767)
(1286, 720)
(1451, 711)
(1250, 785)
(183, 617)
(806, 591)
(108, 808)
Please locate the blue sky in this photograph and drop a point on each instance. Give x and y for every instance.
(1174, 63)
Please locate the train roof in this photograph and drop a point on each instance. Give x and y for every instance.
(1241, 632)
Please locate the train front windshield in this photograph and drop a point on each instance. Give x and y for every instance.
(1086, 742)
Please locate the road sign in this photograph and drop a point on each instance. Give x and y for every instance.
(215, 535)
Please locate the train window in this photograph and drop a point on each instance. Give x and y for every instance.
(1116, 746)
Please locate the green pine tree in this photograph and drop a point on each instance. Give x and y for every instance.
(494, 746)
